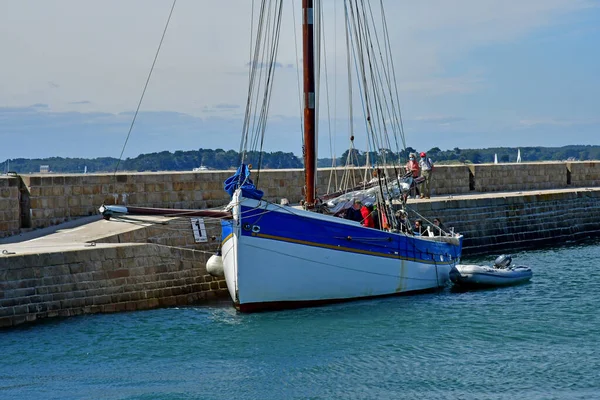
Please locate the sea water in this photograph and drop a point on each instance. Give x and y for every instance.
(539, 340)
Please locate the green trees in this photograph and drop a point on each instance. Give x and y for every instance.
(222, 160)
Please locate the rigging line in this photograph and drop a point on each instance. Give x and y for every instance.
(372, 101)
(145, 87)
(372, 144)
(298, 71)
(258, 62)
(253, 64)
(263, 72)
(332, 145)
(390, 107)
(351, 151)
(269, 55)
(377, 70)
(359, 62)
(388, 48)
(322, 33)
(364, 89)
(269, 83)
(355, 48)
(241, 153)
(317, 34)
(373, 75)
(349, 70)
(381, 100)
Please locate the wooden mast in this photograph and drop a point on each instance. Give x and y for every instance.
(309, 101)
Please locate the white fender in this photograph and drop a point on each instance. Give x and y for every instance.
(214, 266)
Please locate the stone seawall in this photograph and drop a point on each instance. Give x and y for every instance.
(174, 232)
(162, 265)
(10, 216)
(511, 221)
(39, 201)
(121, 272)
(102, 278)
(515, 177)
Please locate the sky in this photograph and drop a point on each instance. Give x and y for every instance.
(470, 74)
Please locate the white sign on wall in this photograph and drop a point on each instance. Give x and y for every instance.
(199, 230)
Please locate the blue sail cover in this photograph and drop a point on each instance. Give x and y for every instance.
(241, 178)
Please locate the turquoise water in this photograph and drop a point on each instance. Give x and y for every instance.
(535, 341)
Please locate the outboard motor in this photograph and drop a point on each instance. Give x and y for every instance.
(503, 261)
(454, 274)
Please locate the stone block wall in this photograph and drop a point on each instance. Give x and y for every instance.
(278, 183)
(59, 198)
(174, 232)
(584, 174)
(123, 277)
(517, 221)
(450, 179)
(103, 278)
(10, 216)
(54, 199)
(446, 179)
(521, 176)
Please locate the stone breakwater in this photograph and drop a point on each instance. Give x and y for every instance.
(103, 278)
(505, 222)
(38, 201)
(10, 218)
(158, 265)
(125, 264)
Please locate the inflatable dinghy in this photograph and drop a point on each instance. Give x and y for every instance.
(500, 274)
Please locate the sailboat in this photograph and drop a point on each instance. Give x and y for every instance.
(277, 256)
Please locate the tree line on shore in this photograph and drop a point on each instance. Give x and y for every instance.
(220, 159)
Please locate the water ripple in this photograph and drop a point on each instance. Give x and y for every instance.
(534, 341)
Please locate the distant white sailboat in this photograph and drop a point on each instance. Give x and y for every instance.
(495, 158)
(518, 155)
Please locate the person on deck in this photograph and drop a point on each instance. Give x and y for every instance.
(353, 213)
(426, 171)
(439, 228)
(418, 230)
(413, 166)
(402, 218)
(367, 215)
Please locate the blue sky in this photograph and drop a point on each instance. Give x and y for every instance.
(471, 74)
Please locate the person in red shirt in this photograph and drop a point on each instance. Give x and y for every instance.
(367, 213)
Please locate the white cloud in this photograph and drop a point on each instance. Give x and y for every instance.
(439, 119)
(103, 51)
(89, 61)
(557, 122)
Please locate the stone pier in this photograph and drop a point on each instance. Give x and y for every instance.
(48, 269)
(107, 266)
